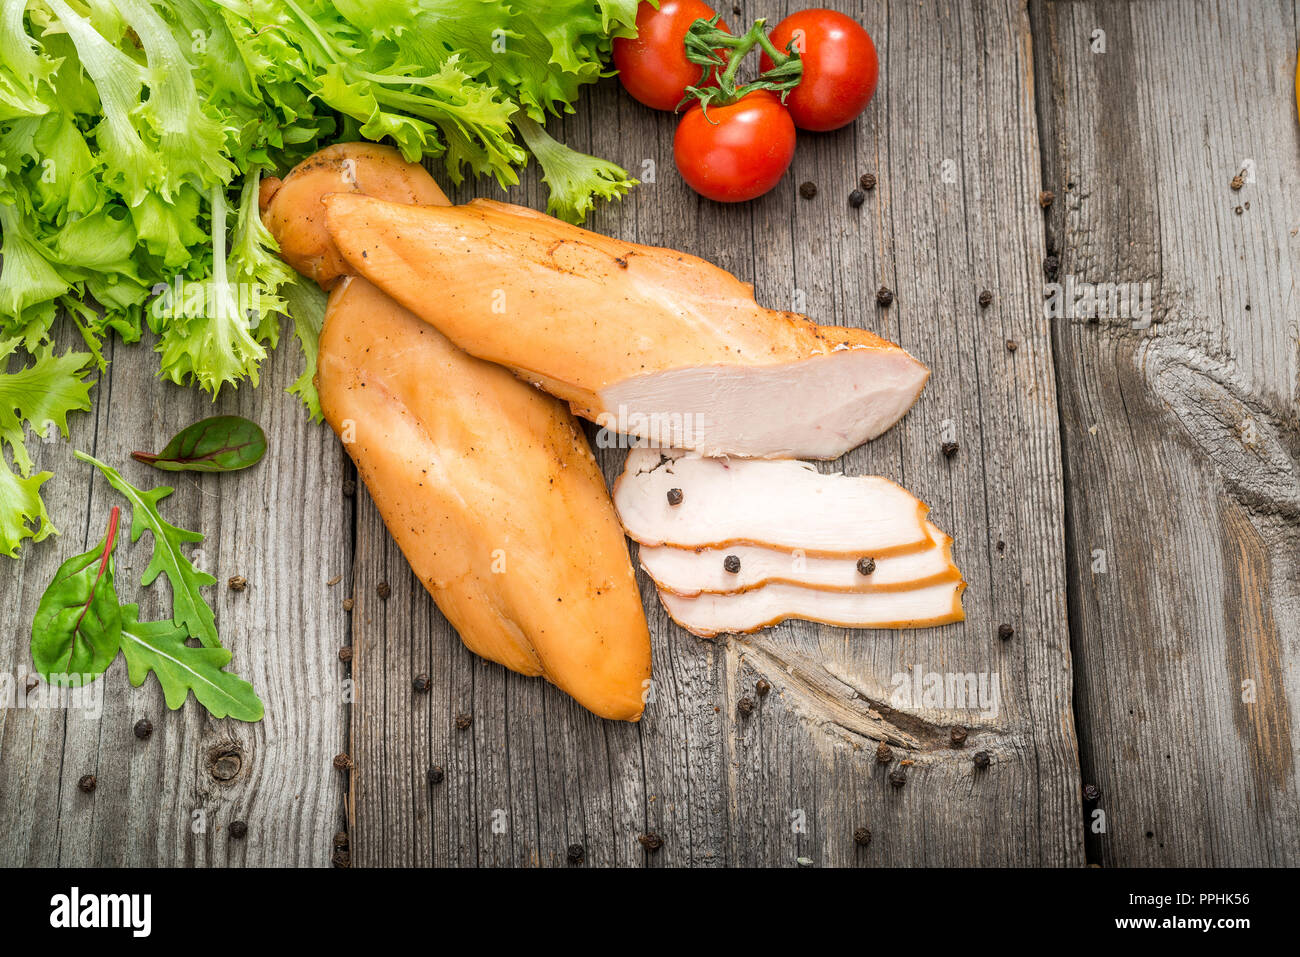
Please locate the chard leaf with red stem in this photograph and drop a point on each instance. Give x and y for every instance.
(78, 624)
(222, 443)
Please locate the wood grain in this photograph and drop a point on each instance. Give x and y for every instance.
(284, 526)
(1181, 440)
(799, 775)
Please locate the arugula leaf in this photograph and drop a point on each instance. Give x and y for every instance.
(37, 396)
(159, 646)
(78, 623)
(222, 443)
(189, 610)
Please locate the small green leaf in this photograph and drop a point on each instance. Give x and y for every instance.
(189, 609)
(223, 443)
(159, 646)
(306, 303)
(78, 623)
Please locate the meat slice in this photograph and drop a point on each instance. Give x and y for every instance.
(690, 571)
(708, 615)
(781, 504)
(487, 485)
(646, 341)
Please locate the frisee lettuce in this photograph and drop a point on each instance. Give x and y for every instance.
(36, 396)
(134, 134)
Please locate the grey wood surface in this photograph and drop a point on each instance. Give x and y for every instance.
(1170, 450)
(1181, 441)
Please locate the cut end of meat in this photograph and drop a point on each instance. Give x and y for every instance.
(819, 407)
(709, 615)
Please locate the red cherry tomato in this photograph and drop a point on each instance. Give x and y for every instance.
(738, 151)
(840, 68)
(653, 65)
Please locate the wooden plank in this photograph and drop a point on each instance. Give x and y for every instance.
(285, 527)
(1181, 439)
(799, 775)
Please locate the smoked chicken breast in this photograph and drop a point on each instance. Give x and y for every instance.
(487, 485)
(646, 341)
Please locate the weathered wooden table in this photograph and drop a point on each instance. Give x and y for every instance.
(1126, 497)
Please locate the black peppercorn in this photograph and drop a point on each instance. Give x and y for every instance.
(143, 728)
(856, 198)
(745, 706)
(1005, 631)
(986, 297)
(808, 189)
(884, 753)
(866, 566)
(238, 830)
(349, 487)
(981, 759)
(674, 496)
(949, 449)
(383, 590)
(957, 736)
(576, 853)
(867, 181)
(763, 686)
(651, 842)
(421, 683)
(731, 564)
(862, 836)
(884, 296)
(436, 774)
(1046, 198)
(87, 783)
(345, 654)
(1051, 266)
(340, 838)
(342, 762)
(463, 721)
(1012, 345)
(1091, 793)
(898, 777)
(237, 583)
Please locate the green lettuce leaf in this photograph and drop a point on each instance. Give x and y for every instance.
(38, 396)
(307, 304)
(575, 179)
